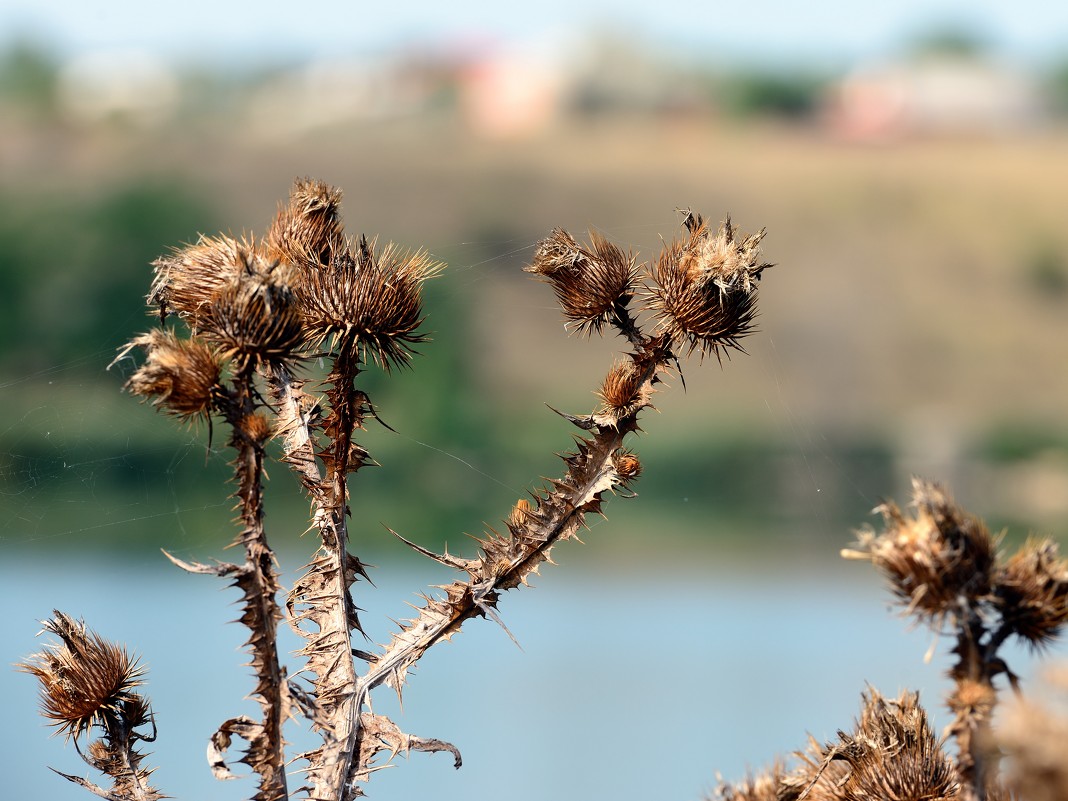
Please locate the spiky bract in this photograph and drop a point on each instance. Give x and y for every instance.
(892, 754)
(179, 375)
(307, 232)
(590, 283)
(85, 680)
(255, 318)
(189, 279)
(703, 291)
(1032, 592)
(933, 559)
(368, 303)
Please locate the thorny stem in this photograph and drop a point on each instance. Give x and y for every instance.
(974, 699)
(325, 587)
(258, 578)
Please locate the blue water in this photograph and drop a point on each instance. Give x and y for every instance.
(628, 685)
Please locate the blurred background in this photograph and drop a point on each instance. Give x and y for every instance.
(910, 164)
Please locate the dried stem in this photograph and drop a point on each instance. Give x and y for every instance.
(257, 579)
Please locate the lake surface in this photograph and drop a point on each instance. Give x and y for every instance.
(629, 685)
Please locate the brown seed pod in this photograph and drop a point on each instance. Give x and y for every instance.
(934, 559)
(367, 303)
(627, 465)
(589, 282)
(182, 376)
(308, 231)
(255, 318)
(624, 391)
(85, 680)
(1031, 592)
(188, 280)
(703, 291)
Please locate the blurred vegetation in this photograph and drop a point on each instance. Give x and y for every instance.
(28, 75)
(792, 96)
(75, 269)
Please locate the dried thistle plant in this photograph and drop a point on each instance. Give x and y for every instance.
(255, 311)
(945, 569)
(88, 683)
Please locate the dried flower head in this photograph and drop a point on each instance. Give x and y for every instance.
(624, 390)
(189, 279)
(703, 290)
(85, 680)
(934, 559)
(182, 376)
(307, 231)
(1031, 592)
(590, 283)
(370, 304)
(255, 318)
(627, 465)
(891, 754)
(764, 787)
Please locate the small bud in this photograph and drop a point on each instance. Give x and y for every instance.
(589, 282)
(623, 391)
(628, 468)
(520, 514)
(704, 290)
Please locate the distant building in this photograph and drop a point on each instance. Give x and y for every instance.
(938, 94)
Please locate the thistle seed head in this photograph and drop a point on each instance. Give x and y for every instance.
(703, 291)
(369, 304)
(181, 376)
(892, 754)
(255, 318)
(307, 232)
(624, 391)
(1031, 592)
(189, 279)
(934, 559)
(589, 282)
(627, 466)
(85, 680)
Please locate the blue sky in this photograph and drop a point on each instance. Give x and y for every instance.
(829, 31)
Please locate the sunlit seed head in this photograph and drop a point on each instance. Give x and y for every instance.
(1031, 592)
(178, 375)
(369, 303)
(307, 232)
(189, 279)
(589, 282)
(935, 558)
(703, 290)
(84, 679)
(255, 318)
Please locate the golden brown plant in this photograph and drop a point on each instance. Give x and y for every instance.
(944, 568)
(255, 311)
(703, 291)
(89, 683)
